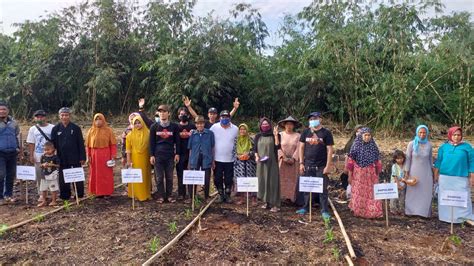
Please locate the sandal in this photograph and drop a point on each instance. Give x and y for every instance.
(275, 209)
(264, 206)
(42, 204)
(160, 201)
(53, 203)
(171, 200)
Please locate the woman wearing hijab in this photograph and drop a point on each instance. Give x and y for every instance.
(288, 158)
(453, 168)
(266, 154)
(138, 154)
(101, 147)
(244, 162)
(418, 164)
(364, 166)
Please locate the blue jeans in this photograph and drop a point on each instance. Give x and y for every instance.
(323, 197)
(7, 173)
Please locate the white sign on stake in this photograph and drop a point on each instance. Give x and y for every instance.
(311, 184)
(247, 184)
(72, 175)
(132, 175)
(26, 172)
(192, 177)
(453, 198)
(385, 191)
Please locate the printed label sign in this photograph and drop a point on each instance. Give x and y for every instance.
(385, 191)
(191, 177)
(132, 175)
(247, 184)
(311, 184)
(453, 198)
(72, 175)
(26, 172)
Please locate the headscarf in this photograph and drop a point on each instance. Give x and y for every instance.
(130, 118)
(244, 143)
(100, 137)
(265, 133)
(451, 133)
(417, 140)
(139, 138)
(364, 153)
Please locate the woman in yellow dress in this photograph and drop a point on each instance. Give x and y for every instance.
(138, 156)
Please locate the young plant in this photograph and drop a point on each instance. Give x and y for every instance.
(197, 201)
(188, 213)
(155, 244)
(3, 229)
(456, 240)
(173, 227)
(67, 205)
(329, 234)
(336, 253)
(39, 218)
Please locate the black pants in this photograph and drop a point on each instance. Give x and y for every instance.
(180, 167)
(224, 176)
(207, 178)
(323, 197)
(65, 188)
(7, 173)
(164, 173)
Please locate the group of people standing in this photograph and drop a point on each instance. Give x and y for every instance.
(277, 155)
(418, 176)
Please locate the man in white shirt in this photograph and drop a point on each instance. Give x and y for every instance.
(224, 133)
(38, 135)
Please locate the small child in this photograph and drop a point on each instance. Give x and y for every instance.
(397, 206)
(50, 174)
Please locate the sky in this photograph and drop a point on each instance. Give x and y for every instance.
(272, 11)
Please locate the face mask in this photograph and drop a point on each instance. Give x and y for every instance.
(38, 122)
(314, 123)
(225, 121)
(157, 119)
(265, 128)
(183, 118)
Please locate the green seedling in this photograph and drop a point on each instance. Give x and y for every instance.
(3, 229)
(39, 218)
(329, 236)
(67, 205)
(155, 244)
(197, 201)
(336, 253)
(188, 213)
(456, 240)
(173, 227)
(92, 197)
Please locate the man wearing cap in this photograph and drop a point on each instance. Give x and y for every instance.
(9, 148)
(164, 152)
(38, 135)
(225, 134)
(69, 143)
(315, 152)
(212, 112)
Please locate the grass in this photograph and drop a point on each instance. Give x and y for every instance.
(197, 202)
(329, 234)
(188, 213)
(172, 227)
(155, 244)
(67, 205)
(336, 253)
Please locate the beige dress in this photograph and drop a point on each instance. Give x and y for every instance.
(288, 172)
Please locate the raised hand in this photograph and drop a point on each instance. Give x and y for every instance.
(187, 101)
(236, 103)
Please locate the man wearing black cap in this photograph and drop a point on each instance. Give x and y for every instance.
(315, 153)
(212, 112)
(225, 134)
(69, 143)
(164, 152)
(38, 135)
(9, 148)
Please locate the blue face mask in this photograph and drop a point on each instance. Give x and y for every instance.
(314, 123)
(225, 121)
(157, 119)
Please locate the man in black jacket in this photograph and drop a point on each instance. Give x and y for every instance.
(69, 144)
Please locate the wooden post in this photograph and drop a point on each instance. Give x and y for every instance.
(452, 220)
(247, 204)
(75, 191)
(26, 196)
(133, 198)
(192, 204)
(386, 213)
(310, 203)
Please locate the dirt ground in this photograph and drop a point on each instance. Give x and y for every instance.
(107, 231)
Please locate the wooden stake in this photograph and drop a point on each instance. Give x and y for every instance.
(452, 220)
(75, 191)
(343, 230)
(310, 203)
(247, 204)
(386, 213)
(192, 204)
(133, 198)
(26, 196)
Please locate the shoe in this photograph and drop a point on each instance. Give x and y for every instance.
(10, 199)
(326, 216)
(2, 202)
(302, 211)
(228, 199)
(221, 199)
(275, 209)
(42, 204)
